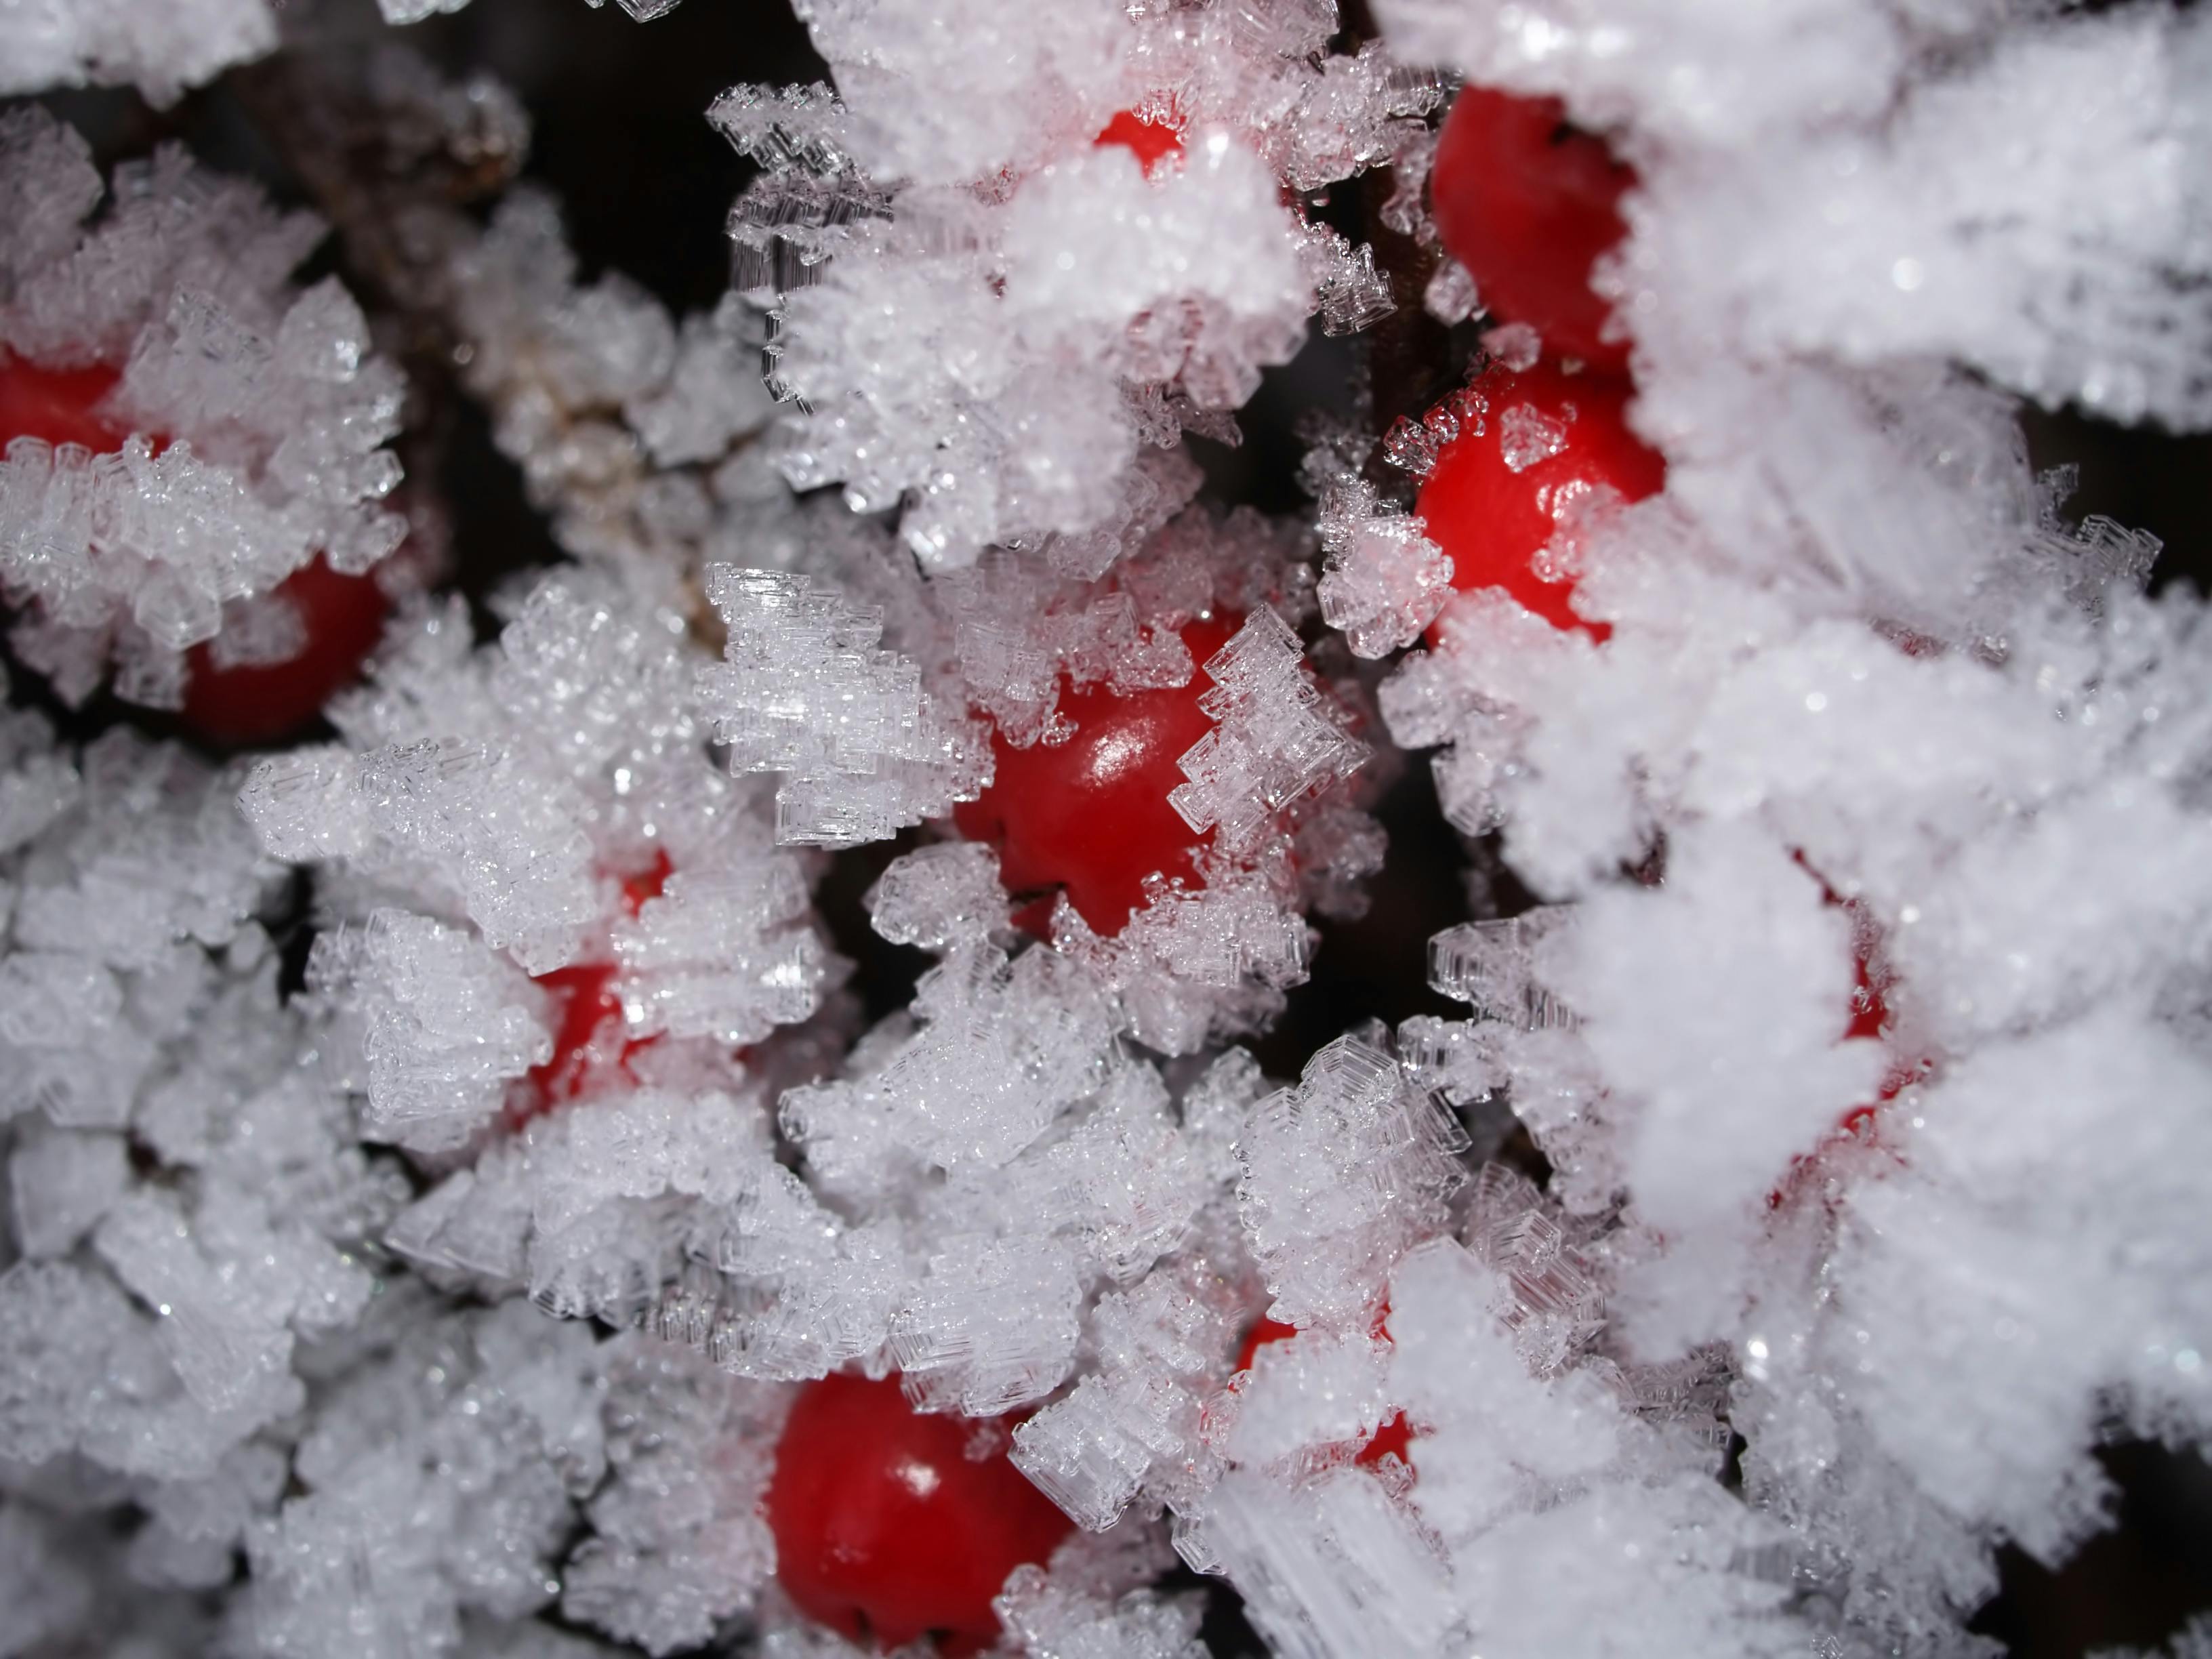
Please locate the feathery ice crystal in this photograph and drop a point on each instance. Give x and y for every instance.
(475, 1181)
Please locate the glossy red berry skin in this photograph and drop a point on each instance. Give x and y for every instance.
(589, 1029)
(1494, 519)
(588, 1005)
(1152, 142)
(1393, 1439)
(229, 707)
(886, 1528)
(1091, 816)
(261, 703)
(56, 405)
(1527, 203)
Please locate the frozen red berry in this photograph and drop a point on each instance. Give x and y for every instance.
(1090, 817)
(1545, 446)
(242, 703)
(590, 1033)
(60, 405)
(1151, 142)
(1267, 1331)
(1527, 203)
(891, 1524)
(228, 704)
(1393, 1439)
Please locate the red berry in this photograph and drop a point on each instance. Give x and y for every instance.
(58, 405)
(1547, 442)
(1527, 204)
(1267, 1331)
(1150, 141)
(1869, 1019)
(585, 991)
(1393, 1439)
(260, 703)
(1091, 815)
(228, 706)
(590, 1026)
(888, 1525)
(647, 883)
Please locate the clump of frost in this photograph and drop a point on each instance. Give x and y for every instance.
(678, 1544)
(1132, 1427)
(591, 1212)
(190, 1212)
(1095, 1598)
(164, 49)
(806, 691)
(1337, 1177)
(1092, 248)
(125, 867)
(1879, 238)
(251, 414)
(1109, 608)
(940, 896)
(1534, 1460)
(1386, 581)
(2016, 842)
(951, 97)
(635, 433)
(1060, 1169)
(1879, 725)
(437, 1477)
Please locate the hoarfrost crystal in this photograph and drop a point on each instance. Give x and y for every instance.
(437, 1155)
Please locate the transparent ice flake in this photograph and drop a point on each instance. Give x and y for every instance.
(1526, 435)
(805, 689)
(1493, 966)
(1271, 744)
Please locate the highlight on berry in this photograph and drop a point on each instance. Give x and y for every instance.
(1105, 829)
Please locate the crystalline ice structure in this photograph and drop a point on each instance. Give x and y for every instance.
(249, 416)
(805, 691)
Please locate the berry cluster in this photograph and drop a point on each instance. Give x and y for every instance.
(712, 1092)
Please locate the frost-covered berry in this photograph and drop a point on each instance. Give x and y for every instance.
(182, 427)
(1546, 447)
(330, 621)
(1090, 816)
(1393, 1439)
(56, 405)
(1152, 142)
(251, 684)
(589, 1030)
(1527, 203)
(891, 1525)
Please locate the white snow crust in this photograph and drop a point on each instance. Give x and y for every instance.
(1861, 1030)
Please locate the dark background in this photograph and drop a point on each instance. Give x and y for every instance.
(619, 133)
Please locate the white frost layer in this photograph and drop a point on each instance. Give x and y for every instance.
(547, 803)
(163, 48)
(250, 415)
